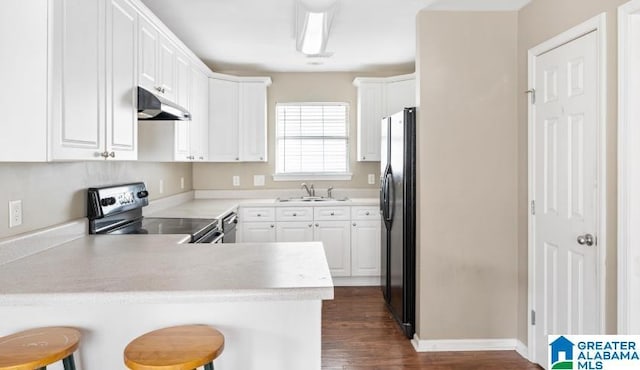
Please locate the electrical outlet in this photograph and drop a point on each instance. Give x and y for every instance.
(258, 180)
(372, 179)
(182, 183)
(15, 213)
(236, 180)
(161, 187)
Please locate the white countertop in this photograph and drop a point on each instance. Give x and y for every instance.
(157, 269)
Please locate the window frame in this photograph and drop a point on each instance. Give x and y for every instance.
(293, 176)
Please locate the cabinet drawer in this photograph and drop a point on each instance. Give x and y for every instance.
(257, 214)
(331, 213)
(294, 214)
(365, 213)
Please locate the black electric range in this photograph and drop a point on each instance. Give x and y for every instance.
(118, 210)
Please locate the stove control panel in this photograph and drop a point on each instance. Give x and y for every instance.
(111, 200)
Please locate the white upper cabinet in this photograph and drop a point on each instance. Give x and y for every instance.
(122, 77)
(23, 72)
(238, 120)
(224, 128)
(148, 56)
(78, 88)
(167, 60)
(199, 115)
(253, 121)
(378, 98)
(370, 113)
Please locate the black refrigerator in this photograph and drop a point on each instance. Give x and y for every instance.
(398, 209)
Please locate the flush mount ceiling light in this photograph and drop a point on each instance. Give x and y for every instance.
(312, 29)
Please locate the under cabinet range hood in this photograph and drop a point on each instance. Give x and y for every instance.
(156, 108)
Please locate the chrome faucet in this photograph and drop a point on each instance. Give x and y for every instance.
(311, 191)
(329, 190)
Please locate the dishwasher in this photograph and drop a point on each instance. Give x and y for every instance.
(229, 224)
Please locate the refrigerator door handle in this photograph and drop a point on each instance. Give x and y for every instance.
(390, 194)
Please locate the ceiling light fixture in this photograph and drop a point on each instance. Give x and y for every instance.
(312, 30)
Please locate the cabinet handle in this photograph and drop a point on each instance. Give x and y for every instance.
(317, 225)
(363, 158)
(295, 214)
(333, 213)
(310, 225)
(259, 215)
(159, 89)
(104, 154)
(163, 90)
(202, 158)
(260, 158)
(354, 224)
(367, 213)
(112, 154)
(237, 159)
(272, 226)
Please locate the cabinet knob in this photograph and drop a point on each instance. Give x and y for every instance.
(310, 225)
(317, 225)
(333, 213)
(295, 214)
(259, 215)
(272, 226)
(201, 158)
(367, 213)
(104, 154)
(354, 224)
(112, 154)
(363, 158)
(261, 158)
(237, 159)
(158, 88)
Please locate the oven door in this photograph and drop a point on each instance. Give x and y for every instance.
(213, 237)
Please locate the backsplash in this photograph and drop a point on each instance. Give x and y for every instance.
(53, 193)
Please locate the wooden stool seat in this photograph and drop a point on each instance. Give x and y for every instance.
(175, 348)
(37, 348)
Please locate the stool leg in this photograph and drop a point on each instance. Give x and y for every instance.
(69, 363)
(208, 366)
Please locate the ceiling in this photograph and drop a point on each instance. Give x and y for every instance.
(259, 35)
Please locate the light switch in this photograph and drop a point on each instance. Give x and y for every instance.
(236, 180)
(372, 179)
(258, 180)
(15, 213)
(161, 187)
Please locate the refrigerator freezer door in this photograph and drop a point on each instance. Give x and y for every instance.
(384, 242)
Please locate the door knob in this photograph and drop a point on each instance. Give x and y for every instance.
(586, 239)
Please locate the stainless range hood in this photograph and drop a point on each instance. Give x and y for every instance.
(152, 107)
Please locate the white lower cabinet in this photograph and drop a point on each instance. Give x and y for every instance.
(335, 236)
(257, 232)
(294, 231)
(350, 235)
(365, 248)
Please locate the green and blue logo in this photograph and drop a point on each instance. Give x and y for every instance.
(561, 353)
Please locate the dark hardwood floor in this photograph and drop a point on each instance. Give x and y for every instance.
(358, 333)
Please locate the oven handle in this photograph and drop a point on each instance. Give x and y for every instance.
(231, 219)
(218, 240)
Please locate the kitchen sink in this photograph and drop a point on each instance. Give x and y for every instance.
(311, 199)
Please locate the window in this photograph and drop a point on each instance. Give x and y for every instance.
(312, 141)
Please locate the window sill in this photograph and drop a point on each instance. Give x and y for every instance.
(312, 176)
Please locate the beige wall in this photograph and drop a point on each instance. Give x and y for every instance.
(294, 87)
(537, 22)
(54, 193)
(467, 180)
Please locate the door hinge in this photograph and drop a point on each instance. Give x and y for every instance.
(533, 317)
(533, 95)
(533, 207)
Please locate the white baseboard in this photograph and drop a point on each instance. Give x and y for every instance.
(356, 281)
(447, 345)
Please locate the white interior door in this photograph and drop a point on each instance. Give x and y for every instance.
(565, 295)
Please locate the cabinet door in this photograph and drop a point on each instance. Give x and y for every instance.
(77, 94)
(148, 55)
(253, 122)
(183, 78)
(199, 99)
(182, 136)
(365, 248)
(370, 114)
(224, 134)
(258, 232)
(122, 77)
(294, 231)
(336, 238)
(400, 95)
(167, 67)
(23, 72)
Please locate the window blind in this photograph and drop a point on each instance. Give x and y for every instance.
(312, 138)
